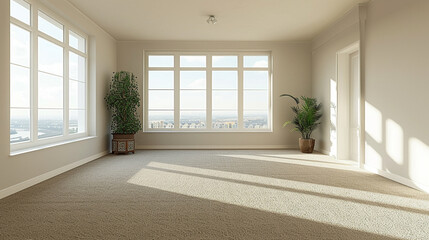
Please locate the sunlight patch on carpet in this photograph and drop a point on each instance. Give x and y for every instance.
(354, 209)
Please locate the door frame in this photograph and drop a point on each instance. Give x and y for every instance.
(343, 78)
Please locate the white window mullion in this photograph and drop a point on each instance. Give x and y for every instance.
(209, 92)
(34, 74)
(176, 91)
(240, 92)
(145, 92)
(66, 83)
(87, 127)
(270, 93)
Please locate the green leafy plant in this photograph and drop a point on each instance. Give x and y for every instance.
(122, 100)
(307, 115)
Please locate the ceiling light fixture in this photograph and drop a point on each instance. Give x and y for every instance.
(212, 19)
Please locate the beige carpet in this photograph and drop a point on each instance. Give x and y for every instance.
(274, 194)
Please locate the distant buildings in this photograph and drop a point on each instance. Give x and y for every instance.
(20, 129)
(254, 123)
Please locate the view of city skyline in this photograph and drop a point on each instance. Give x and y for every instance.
(255, 121)
(20, 129)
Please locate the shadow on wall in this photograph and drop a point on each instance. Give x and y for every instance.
(390, 148)
(333, 118)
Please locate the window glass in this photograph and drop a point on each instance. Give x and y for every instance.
(161, 79)
(19, 86)
(192, 99)
(77, 67)
(50, 57)
(192, 119)
(19, 125)
(255, 61)
(225, 80)
(224, 100)
(77, 121)
(161, 61)
(50, 123)
(192, 79)
(255, 119)
(192, 61)
(161, 119)
(255, 80)
(76, 41)
(50, 91)
(76, 95)
(50, 26)
(224, 61)
(162, 99)
(255, 100)
(224, 119)
(19, 46)
(20, 10)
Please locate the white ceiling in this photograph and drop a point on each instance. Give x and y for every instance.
(238, 20)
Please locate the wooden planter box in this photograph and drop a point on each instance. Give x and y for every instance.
(123, 143)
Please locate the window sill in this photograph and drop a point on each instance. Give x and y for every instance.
(32, 149)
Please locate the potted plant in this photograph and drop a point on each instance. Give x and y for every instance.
(306, 119)
(122, 100)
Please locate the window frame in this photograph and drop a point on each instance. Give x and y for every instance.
(208, 69)
(35, 33)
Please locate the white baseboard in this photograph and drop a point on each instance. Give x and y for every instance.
(397, 178)
(33, 181)
(214, 147)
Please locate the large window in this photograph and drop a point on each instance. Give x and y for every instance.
(207, 91)
(48, 73)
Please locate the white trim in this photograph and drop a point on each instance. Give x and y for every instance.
(214, 147)
(348, 51)
(397, 178)
(33, 181)
(349, 20)
(90, 20)
(55, 144)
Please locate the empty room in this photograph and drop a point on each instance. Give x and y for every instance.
(227, 119)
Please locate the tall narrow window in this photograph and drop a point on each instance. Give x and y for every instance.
(161, 92)
(256, 92)
(77, 83)
(47, 80)
(192, 92)
(20, 97)
(224, 92)
(207, 92)
(50, 89)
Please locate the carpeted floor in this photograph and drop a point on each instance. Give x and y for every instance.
(258, 194)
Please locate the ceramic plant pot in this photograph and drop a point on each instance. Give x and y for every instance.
(306, 145)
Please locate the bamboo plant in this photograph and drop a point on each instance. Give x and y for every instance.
(307, 115)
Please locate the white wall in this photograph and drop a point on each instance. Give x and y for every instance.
(102, 59)
(397, 85)
(325, 46)
(396, 71)
(291, 71)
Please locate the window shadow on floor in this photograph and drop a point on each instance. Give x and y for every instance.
(146, 213)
